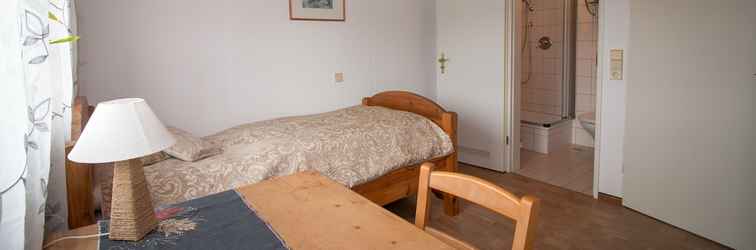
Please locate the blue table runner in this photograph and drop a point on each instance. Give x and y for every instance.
(219, 221)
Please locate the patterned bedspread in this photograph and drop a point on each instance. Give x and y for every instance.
(351, 146)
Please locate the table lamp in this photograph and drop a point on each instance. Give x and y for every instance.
(122, 131)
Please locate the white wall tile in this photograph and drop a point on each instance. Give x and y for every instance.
(584, 85)
(583, 68)
(552, 98)
(534, 33)
(550, 82)
(586, 50)
(554, 52)
(585, 32)
(585, 103)
(551, 65)
(537, 63)
(556, 33)
(583, 15)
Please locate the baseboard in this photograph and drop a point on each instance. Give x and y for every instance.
(679, 228)
(474, 156)
(610, 199)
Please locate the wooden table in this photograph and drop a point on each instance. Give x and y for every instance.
(309, 211)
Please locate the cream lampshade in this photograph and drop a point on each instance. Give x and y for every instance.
(122, 131)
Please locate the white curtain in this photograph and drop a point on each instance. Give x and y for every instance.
(36, 93)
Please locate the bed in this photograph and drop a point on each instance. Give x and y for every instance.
(392, 175)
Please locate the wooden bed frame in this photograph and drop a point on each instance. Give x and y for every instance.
(403, 182)
(395, 185)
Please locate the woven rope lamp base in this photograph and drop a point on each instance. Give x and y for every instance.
(132, 215)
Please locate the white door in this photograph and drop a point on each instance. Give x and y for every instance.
(471, 34)
(690, 140)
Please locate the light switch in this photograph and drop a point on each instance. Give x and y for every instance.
(617, 57)
(338, 77)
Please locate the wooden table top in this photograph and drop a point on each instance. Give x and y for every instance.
(309, 211)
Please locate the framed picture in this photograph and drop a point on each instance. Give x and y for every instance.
(317, 10)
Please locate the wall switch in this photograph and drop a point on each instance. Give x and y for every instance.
(617, 57)
(338, 77)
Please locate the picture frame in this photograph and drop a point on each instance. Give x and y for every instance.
(317, 10)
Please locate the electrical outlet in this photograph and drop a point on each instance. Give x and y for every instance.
(338, 77)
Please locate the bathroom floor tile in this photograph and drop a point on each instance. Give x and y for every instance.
(570, 167)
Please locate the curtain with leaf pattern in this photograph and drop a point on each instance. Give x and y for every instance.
(36, 92)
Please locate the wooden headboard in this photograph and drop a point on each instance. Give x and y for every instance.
(79, 177)
(407, 101)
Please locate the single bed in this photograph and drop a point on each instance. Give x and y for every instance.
(374, 131)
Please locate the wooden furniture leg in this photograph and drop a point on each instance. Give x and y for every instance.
(451, 206)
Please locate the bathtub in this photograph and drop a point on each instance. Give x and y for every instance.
(544, 133)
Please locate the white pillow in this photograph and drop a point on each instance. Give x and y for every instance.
(190, 148)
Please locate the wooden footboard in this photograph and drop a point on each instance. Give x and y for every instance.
(403, 182)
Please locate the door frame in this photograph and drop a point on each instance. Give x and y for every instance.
(600, 58)
(513, 90)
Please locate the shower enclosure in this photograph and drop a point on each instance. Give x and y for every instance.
(548, 30)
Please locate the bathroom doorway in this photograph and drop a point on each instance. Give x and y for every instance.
(557, 45)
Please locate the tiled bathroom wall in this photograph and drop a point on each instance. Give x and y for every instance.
(542, 93)
(585, 89)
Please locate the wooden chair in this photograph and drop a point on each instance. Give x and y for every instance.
(476, 190)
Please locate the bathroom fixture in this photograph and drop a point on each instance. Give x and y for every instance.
(592, 6)
(544, 43)
(529, 5)
(544, 133)
(588, 122)
(529, 8)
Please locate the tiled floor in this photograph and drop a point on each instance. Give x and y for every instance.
(570, 167)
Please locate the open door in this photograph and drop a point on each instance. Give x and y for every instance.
(690, 146)
(471, 76)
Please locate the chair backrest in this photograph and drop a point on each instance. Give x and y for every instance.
(522, 210)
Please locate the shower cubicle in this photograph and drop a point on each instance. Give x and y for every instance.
(548, 29)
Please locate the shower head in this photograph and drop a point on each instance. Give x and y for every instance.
(529, 5)
(592, 6)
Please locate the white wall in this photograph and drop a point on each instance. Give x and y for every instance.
(208, 65)
(614, 28)
(690, 151)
